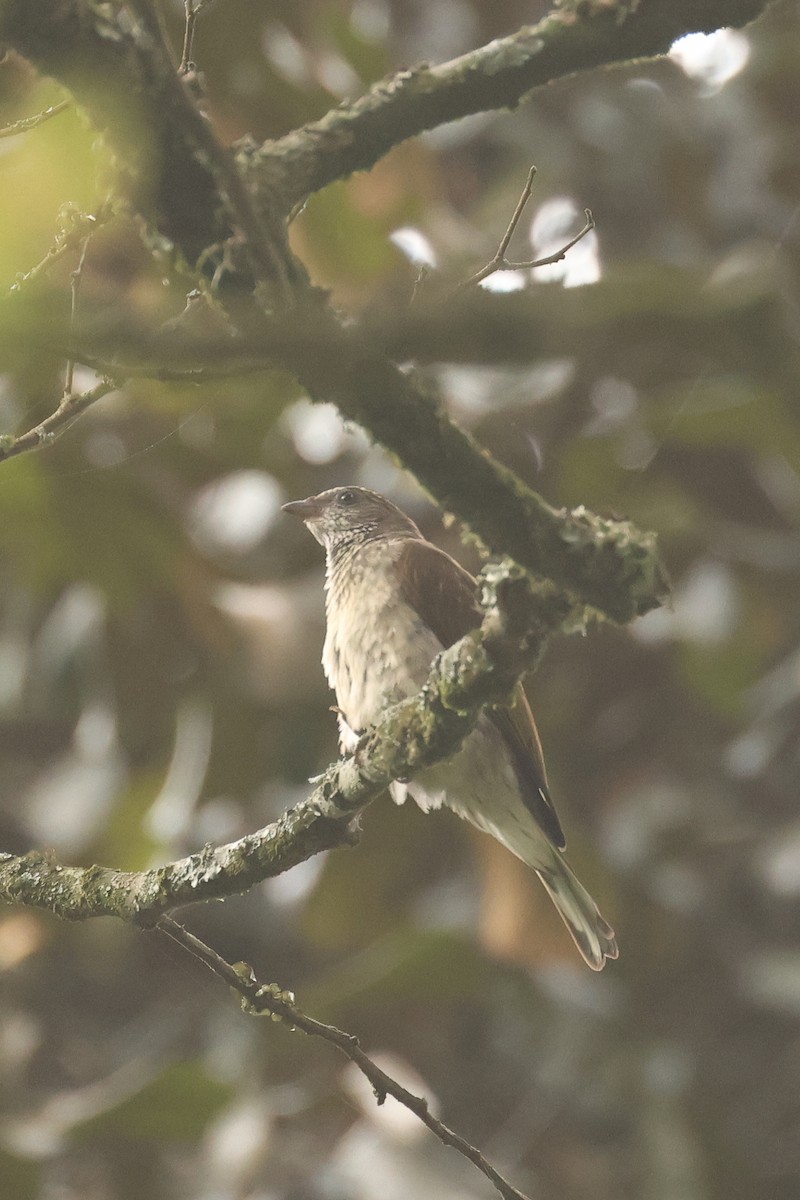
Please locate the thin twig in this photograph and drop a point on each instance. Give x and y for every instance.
(27, 123)
(259, 998)
(297, 209)
(263, 234)
(56, 251)
(65, 241)
(72, 403)
(500, 263)
(123, 371)
(514, 222)
(559, 254)
(71, 407)
(422, 275)
(192, 10)
(75, 286)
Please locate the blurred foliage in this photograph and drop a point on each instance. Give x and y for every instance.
(160, 629)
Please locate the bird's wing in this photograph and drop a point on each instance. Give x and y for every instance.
(518, 728)
(440, 590)
(443, 594)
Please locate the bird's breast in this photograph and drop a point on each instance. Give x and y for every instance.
(377, 649)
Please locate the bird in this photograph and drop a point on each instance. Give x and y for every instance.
(393, 602)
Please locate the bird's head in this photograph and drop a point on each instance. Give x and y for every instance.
(345, 516)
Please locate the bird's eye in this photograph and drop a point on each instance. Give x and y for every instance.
(347, 497)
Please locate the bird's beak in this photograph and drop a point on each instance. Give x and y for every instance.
(305, 509)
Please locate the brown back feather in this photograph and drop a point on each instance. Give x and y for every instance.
(443, 594)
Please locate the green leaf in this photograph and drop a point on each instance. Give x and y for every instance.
(19, 1177)
(175, 1107)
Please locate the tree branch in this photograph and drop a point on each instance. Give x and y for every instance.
(260, 999)
(499, 261)
(265, 245)
(129, 86)
(71, 406)
(483, 668)
(175, 172)
(625, 308)
(607, 565)
(26, 123)
(577, 36)
(118, 77)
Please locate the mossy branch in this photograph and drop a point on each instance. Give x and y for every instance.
(483, 668)
(577, 36)
(174, 172)
(125, 79)
(607, 565)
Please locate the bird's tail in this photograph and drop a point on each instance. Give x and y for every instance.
(593, 936)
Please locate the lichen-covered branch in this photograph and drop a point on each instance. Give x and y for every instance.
(117, 75)
(184, 183)
(578, 35)
(605, 564)
(171, 167)
(127, 82)
(481, 669)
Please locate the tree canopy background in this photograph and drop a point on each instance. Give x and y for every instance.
(161, 624)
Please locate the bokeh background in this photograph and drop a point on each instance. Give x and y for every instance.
(161, 624)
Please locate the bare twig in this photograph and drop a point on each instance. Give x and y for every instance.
(27, 123)
(422, 275)
(512, 225)
(297, 209)
(558, 254)
(71, 407)
(77, 230)
(258, 998)
(192, 10)
(500, 263)
(81, 226)
(122, 371)
(75, 286)
(56, 251)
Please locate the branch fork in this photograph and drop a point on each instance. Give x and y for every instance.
(501, 263)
